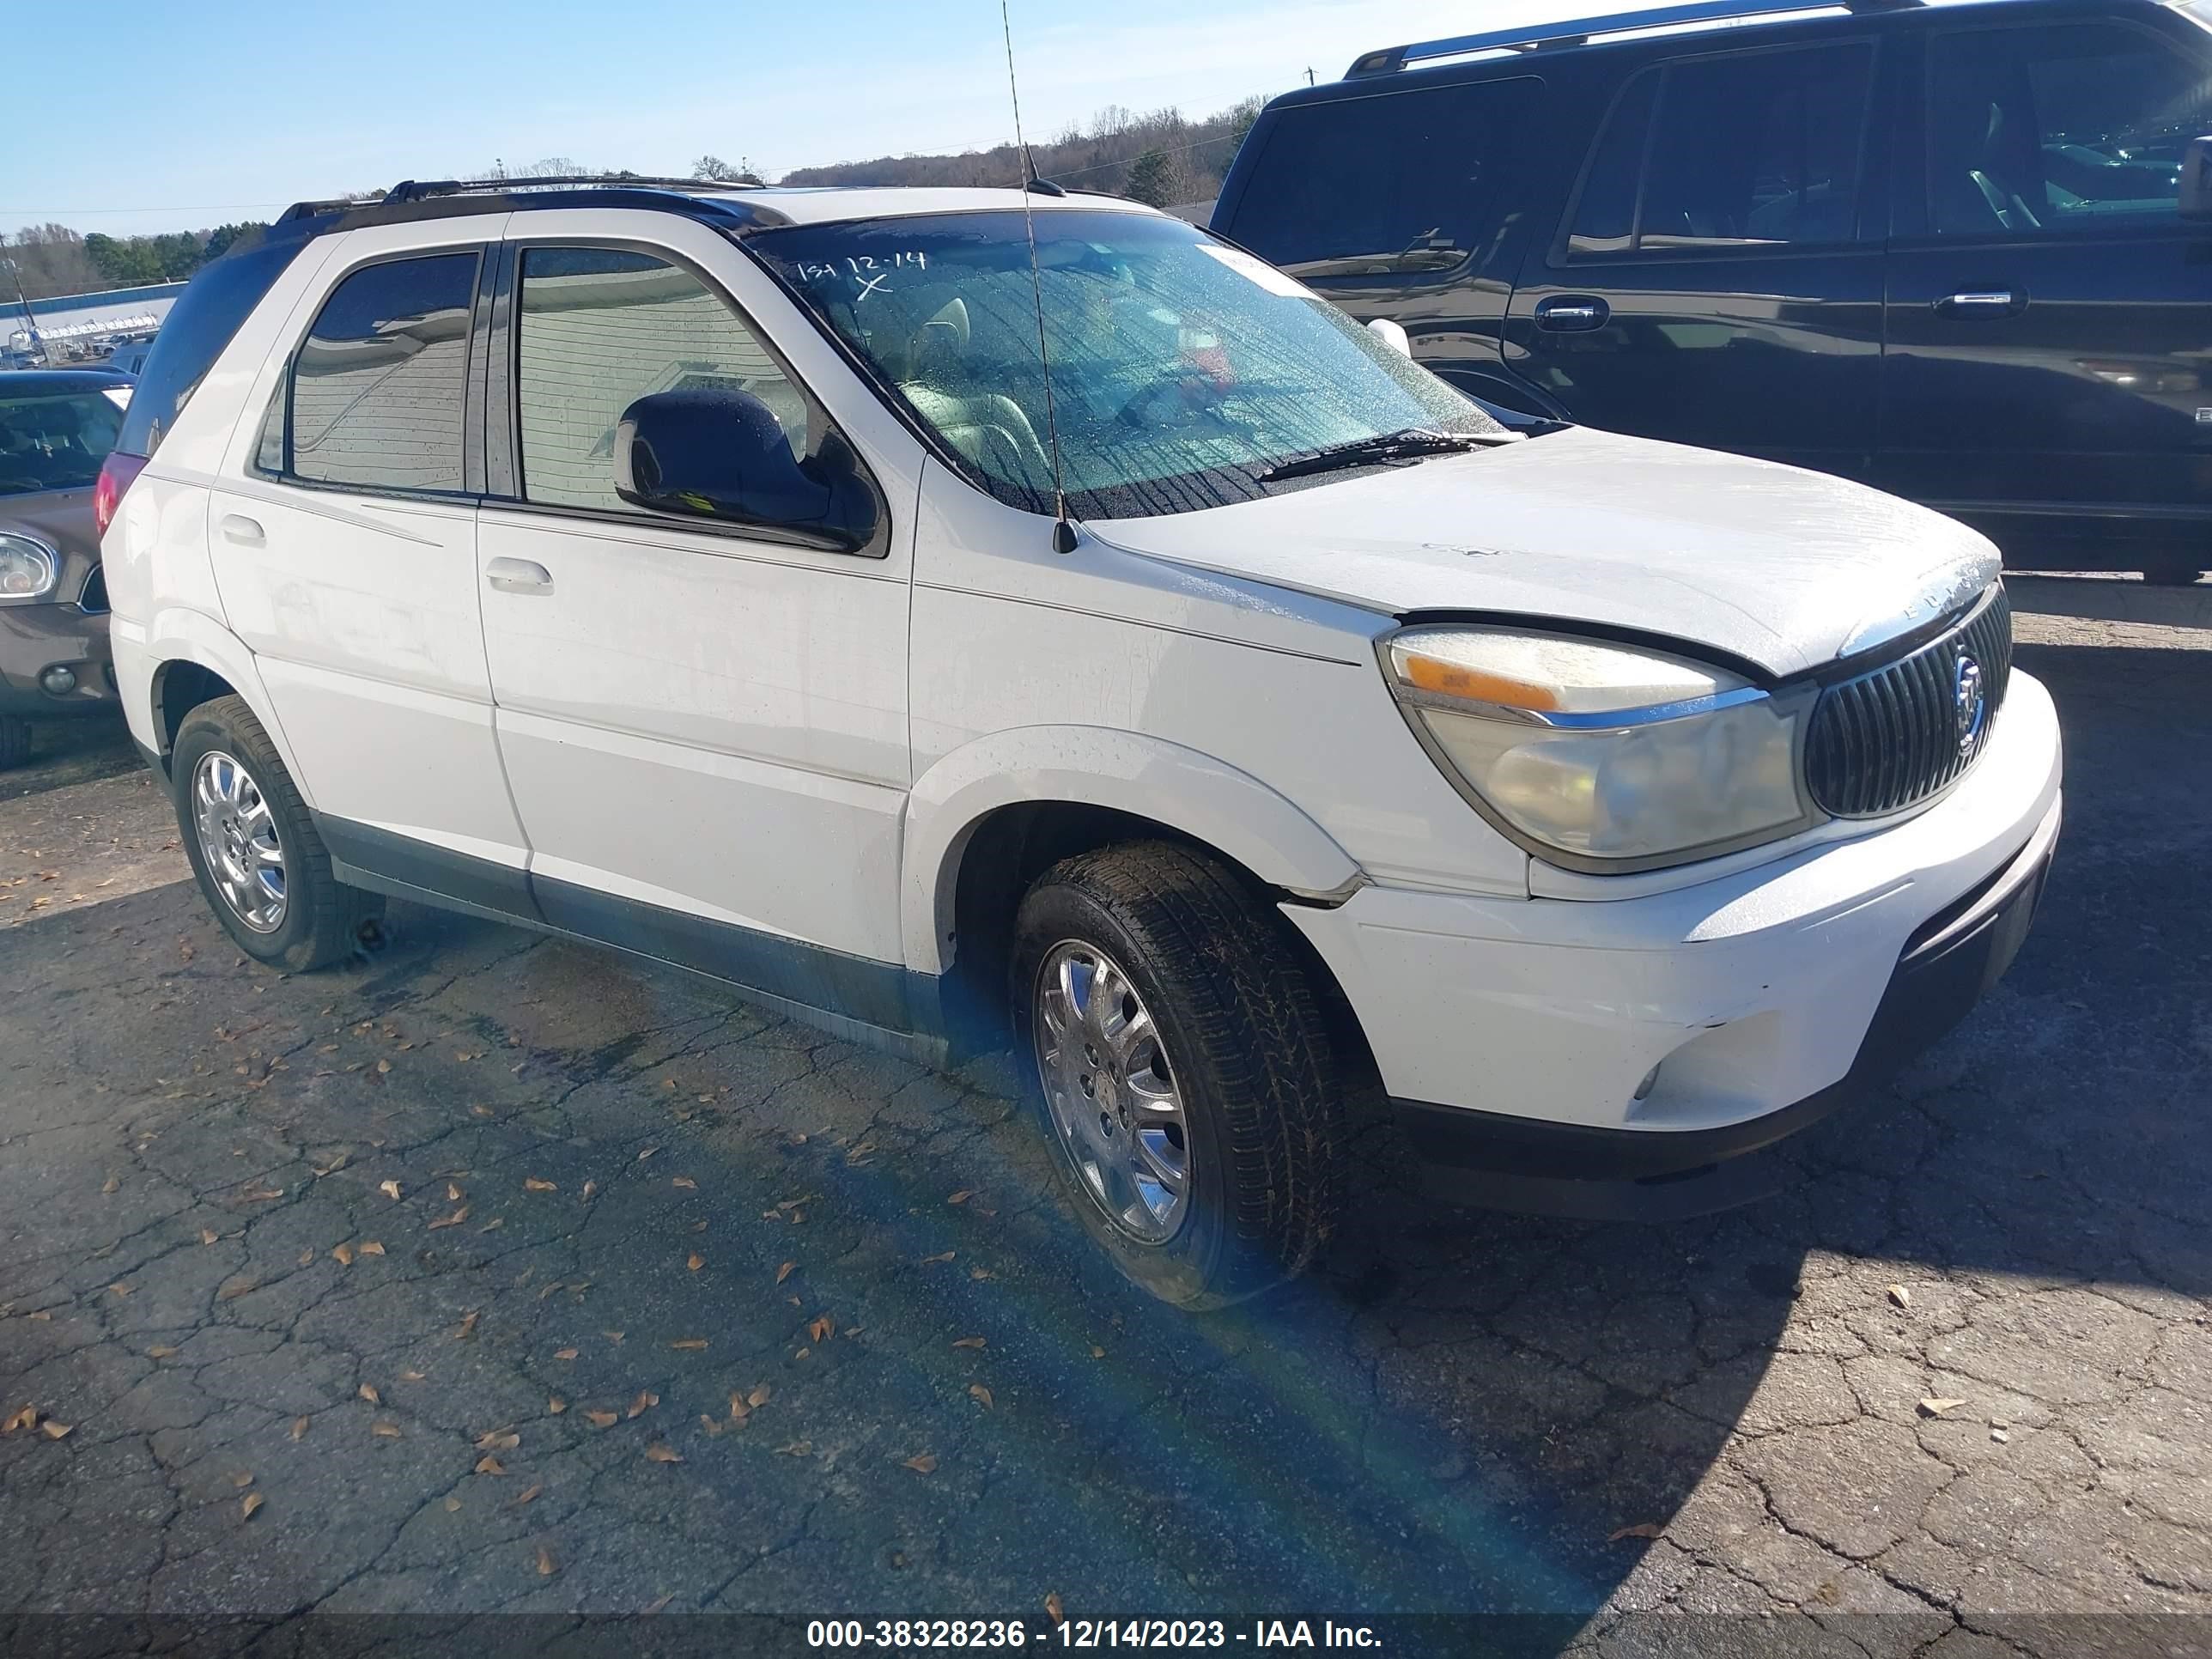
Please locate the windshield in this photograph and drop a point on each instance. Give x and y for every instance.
(55, 442)
(1182, 369)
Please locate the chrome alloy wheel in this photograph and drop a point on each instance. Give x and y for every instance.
(238, 839)
(1113, 1097)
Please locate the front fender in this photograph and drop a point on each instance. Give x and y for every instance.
(1187, 791)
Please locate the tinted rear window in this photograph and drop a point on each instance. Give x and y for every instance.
(198, 326)
(1400, 181)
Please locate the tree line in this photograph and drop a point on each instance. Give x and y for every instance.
(51, 258)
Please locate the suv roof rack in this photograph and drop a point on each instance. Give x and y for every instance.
(414, 198)
(1390, 60)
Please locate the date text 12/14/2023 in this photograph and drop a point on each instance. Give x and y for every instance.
(1077, 1633)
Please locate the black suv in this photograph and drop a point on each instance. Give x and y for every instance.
(1961, 252)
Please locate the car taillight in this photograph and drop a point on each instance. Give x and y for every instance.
(116, 473)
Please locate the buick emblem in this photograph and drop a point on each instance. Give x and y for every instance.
(1970, 703)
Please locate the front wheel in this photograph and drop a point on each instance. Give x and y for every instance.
(260, 861)
(15, 741)
(1182, 1074)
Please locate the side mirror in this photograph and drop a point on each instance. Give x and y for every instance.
(2196, 180)
(1391, 335)
(706, 453)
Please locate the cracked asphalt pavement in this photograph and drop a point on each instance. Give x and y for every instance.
(510, 1276)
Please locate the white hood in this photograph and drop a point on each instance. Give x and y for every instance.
(1782, 568)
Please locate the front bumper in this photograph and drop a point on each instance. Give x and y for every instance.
(1617, 1057)
(36, 637)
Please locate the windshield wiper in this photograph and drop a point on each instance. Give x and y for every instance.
(1408, 444)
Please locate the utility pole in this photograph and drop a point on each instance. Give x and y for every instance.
(38, 345)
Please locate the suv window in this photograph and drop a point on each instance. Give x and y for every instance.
(1403, 181)
(1750, 150)
(194, 333)
(598, 328)
(2063, 127)
(377, 387)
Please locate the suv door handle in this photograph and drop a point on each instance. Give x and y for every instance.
(1980, 302)
(519, 577)
(237, 527)
(1567, 314)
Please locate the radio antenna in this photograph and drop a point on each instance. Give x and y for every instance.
(1063, 532)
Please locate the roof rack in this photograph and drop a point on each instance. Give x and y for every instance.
(1390, 60)
(413, 198)
(415, 190)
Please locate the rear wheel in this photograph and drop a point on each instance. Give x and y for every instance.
(14, 740)
(1182, 1072)
(260, 861)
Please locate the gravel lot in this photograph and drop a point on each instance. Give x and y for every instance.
(457, 1260)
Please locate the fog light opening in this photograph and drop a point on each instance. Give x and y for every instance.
(1650, 1082)
(59, 681)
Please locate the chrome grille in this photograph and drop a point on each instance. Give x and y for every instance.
(1895, 735)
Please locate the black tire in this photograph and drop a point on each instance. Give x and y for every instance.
(15, 741)
(324, 920)
(2179, 571)
(1239, 1029)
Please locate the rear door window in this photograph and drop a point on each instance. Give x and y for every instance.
(1400, 181)
(2056, 128)
(377, 387)
(194, 333)
(1751, 150)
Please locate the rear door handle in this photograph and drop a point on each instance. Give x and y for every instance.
(1568, 314)
(1980, 302)
(237, 527)
(519, 577)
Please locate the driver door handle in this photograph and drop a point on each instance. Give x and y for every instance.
(519, 577)
(245, 531)
(1980, 302)
(1572, 313)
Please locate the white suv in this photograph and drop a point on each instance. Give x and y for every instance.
(1234, 714)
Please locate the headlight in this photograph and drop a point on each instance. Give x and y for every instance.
(28, 569)
(1600, 756)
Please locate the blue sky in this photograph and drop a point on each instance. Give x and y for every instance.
(171, 116)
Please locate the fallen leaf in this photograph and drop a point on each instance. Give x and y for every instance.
(207, 1235)
(646, 1400)
(454, 1195)
(23, 1418)
(110, 1185)
(306, 1258)
(452, 1505)
(685, 1182)
(590, 1187)
(412, 1375)
(1900, 1296)
(819, 1328)
(159, 1351)
(300, 1428)
(785, 1271)
(739, 1410)
(534, 1185)
(253, 1501)
(796, 1448)
(712, 1424)
(368, 1391)
(556, 1406)
(54, 1431)
(980, 1394)
(498, 1440)
(383, 1066)
(759, 1397)
(923, 1464)
(1098, 1352)
(467, 1328)
(370, 1247)
(601, 1419)
(452, 1220)
(232, 1291)
(243, 1478)
(489, 1465)
(389, 1189)
(612, 1336)
(120, 1288)
(1053, 1610)
(962, 1196)
(564, 1353)
(647, 1153)
(1936, 1407)
(1640, 1529)
(526, 1494)
(971, 1342)
(385, 1428)
(343, 1256)
(695, 1261)
(661, 1452)
(689, 1344)
(932, 1261)
(546, 1565)
(980, 1273)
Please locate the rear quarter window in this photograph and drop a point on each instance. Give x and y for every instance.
(1394, 181)
(194, 333)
